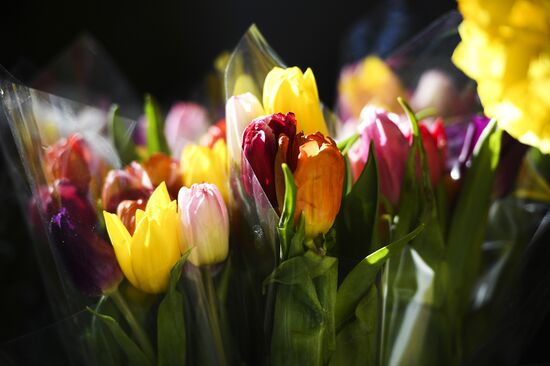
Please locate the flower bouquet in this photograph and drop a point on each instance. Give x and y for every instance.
(382, 234)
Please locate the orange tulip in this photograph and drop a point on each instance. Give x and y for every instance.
(319, 176)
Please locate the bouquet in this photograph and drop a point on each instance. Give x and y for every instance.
(288, 234)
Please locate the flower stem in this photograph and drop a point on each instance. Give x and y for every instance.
(213, 316)
(137, 329)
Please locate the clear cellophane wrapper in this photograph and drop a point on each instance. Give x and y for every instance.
(500, 317)
(34, 121)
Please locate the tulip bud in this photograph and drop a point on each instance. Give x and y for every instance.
(214, 133)
(201, 164)
(368, 82)
(462, 139)
(147, 256)
(126, 210)
(434, 141)
(391, 149)
(260, 140)
(239, 111)
(69, 159)
(123, 185)
(64, 194)
(185, 122)
(88, 259)
(205, 223)
(162, 168)
(288, 90)
(319, 178)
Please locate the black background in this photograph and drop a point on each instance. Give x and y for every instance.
(166, 48)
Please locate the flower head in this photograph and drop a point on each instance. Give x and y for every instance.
(201, 164)
(505, 49)
(147, 257)
(288, 90)
(205, 223)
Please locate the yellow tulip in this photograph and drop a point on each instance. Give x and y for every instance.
(370, 82)
(288, 90)
(147, 256)
(505, 49)
(201, 164)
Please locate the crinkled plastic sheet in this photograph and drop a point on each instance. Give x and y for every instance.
(86, 73)
(38, 120)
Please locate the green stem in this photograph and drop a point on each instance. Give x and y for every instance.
(137, 329)
(213, 316)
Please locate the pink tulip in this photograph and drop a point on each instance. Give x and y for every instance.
(205, 223)
(390, 146)
(185, 122)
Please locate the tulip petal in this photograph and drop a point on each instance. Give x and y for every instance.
(121, 240)
(159, 198)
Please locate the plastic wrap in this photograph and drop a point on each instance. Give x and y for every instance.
(66, 150)
(452, 302)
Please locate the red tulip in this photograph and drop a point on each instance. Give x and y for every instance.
(69, 159)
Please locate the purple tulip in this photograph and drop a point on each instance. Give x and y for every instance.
(462, 139)
(88, 259)
(260, 141)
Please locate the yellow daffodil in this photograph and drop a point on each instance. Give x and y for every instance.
(505, 48)
(147, 256)
(288, 90)
(370, 82)
(201, 164)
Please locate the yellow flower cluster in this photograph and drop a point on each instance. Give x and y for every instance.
(505, 48)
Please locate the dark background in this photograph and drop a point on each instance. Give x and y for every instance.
(166, 48)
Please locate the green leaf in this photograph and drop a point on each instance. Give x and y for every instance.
(468, 225)
(303, 326)
(357, 220)
(156, 141)
(121, 136)
(356, 342)
(133, 352)
(346, 144)
(171, 332)
(360, 279)
(286, 222)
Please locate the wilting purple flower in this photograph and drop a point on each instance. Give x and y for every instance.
(260, 142)
(89, 260)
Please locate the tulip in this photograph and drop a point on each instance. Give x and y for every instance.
(200, 164)
(239, 111)
(162, 168)
(132, 183)
(126, 210)
(369, 82)
(390, 146)
(259, 148)
(88, 259)
(434, 141)
(205, 223)
(462, 139)
(436, 89)
(319, 178)
(69, 159)
(64, 194)
(214, 133)
(185, 122)
(147, 257)
(288, 90)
